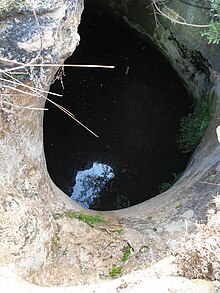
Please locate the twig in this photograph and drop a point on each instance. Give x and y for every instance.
(74, 65)
(24, 107)
(17, 82)
(211, 183)
(57, 105)
(72, 116)
(21, 91)
(176, 21)
(23, 65)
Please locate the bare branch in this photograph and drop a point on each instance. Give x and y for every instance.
(175, 19)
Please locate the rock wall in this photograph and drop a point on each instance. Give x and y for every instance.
(198, 65)
(38, 238)
(182, 45)
(190, 200)
(32, 32)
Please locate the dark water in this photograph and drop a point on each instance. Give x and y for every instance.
(136, 115)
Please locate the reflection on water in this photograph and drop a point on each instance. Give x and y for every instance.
(90, 182)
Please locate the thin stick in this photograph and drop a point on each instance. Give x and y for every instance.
(24, 107)
(10, 61)
(19, 73)
(72, 116)
(58, 106)
(211, 183)
(20, 91)
(74, 65)
(23, 65)
(56, 65)
(176, 21)
(17, 82)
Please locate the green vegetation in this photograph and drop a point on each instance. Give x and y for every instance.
(149, 217)
(56, 239)
(56, 243)
(179, 205)
(213, 33)
(89, 219)
(126, 253)
(21, 76)
(118, 230)
(115, 271)
(193, 126)
(164, 186)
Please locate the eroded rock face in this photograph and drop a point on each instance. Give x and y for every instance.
(35, 229)
(182, 45)
(198, 65)
(35, 32)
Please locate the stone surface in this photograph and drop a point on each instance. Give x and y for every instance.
(137, 282)
(197, 63)
(46, 32)
(183, 46)
(51, 250)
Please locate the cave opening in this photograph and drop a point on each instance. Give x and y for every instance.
(135, 109)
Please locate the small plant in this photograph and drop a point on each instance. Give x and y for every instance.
(89, 219)
(193, 126)
(56, 238)
(56, 243)
(115, 271)
(118, 230)
(126, 253)
(179, 205)
(212, 29)
(164, 186)
(213, 33)
(150, 217)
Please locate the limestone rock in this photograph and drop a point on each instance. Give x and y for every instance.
(34, 242)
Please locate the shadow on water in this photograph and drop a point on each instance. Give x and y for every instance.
(135, 109)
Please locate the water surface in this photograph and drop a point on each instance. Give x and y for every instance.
(135, 109)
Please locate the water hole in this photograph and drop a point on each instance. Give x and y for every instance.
(135, 109)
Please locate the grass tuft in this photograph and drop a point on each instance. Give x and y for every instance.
(126, 253)
(89, 219)
(115, 271)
